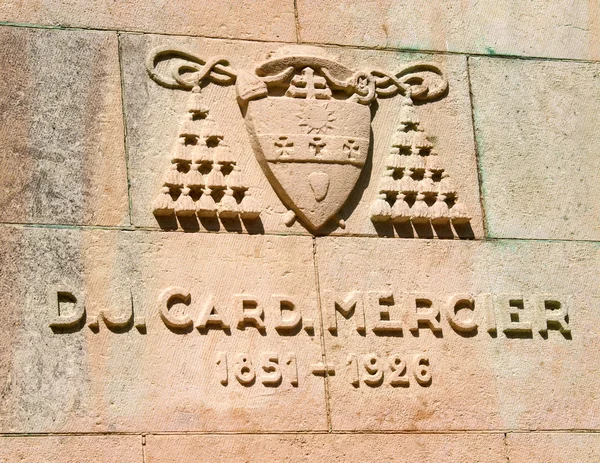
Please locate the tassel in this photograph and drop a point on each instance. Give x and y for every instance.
(228, 208)
(446, 187)
(402, 139)
(388, 184)
(407, 184)
(173, 177)
(163, 204)
(189, 128)
(211, 131)
(234, 179)
(223, 154)
(249, 207)
(205, 206)
(408, 115)
(400, 210)
(184, 206)
(459, 213)
(215, 179)
(432, 162)
(182, 152)
(393, 161)
(201, 153)
(380, 209)
(195, 104)
(414, 161)
(440, 213)
(419, 212)
(194, 178)
(426, 186)
(420, 141)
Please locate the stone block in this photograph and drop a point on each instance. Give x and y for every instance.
(460, 336)
(71, 449)
(271, 19)
(563, 447)
(275, 127)
(62, 157)
(112, 331)
(534, 28)
(536, 127)
(426, 448)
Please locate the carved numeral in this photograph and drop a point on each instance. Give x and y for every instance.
(398, 367)
(244, 370)
(372, 374)
(372, 370)
(353, 370)
(422, 370)
(268, 370)
(292, 369)
(271, 374)
(222, 370)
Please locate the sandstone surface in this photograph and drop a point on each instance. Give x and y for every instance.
(427, 448)
(271, 20)
(71, 449)
(295, 230)
(557, 29)
(432, 336)
(222, 329)
(556, 447)
(62, 156)
(536, 127)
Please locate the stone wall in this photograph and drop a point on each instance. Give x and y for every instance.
(294, 230)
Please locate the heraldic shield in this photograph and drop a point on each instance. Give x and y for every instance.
(310, 136)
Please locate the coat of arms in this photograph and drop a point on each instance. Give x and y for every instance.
(308, 119)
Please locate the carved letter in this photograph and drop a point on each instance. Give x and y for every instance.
(115, 321)
(512, 312)
(457, 303)
(210, 317)
(67, 309)
(167, 299)
(249, 312)
(352, 304)
(424, 314)
(550, 314)
(485, 304)
(380, 308)
(285, 305)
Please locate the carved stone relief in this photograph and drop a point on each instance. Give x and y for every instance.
(308, 119)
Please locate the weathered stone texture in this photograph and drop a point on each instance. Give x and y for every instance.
(247, 19)
(557, 29)
(154, 113)
(514, 378)
(537, 134)
(128, 378)
(62, 157)
(426, 448)
(560, 447)
(71, 449)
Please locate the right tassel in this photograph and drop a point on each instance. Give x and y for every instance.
(249, 207)
(380, 209)
(440, 214)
